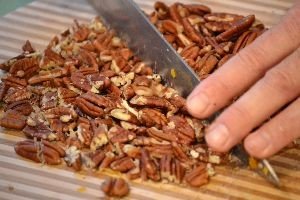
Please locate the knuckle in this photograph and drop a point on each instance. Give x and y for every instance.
(253, 58)
(217, 87)
(239, 115)
(280, 80)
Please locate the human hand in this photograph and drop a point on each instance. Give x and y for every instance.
(267, 74)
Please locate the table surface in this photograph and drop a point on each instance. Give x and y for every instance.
(20, 179)
(8, 6)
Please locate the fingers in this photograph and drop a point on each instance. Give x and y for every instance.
(276, 134)
(279, 86)
(240, 72)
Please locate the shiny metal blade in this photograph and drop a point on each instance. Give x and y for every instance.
(262, 167)
(142, 37)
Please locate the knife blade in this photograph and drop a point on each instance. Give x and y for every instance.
(262, 167)
(143, 38)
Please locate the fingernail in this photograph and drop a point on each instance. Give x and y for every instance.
(258, 143)
(218, 136)
(197, 103)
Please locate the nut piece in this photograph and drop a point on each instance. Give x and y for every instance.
(192, 33)
(42, 152)
(25, 67)
(149, 168)
(88, 107)
(39, 130)
(13, 120)
(73, 158)
(197, 177)
(120, 135)
(99, 138)
(14, 95)
(123, 165)
(115, 187)
(151, 117)
(152, 101)
(236, 29)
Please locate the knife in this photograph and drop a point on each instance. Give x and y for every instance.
(143, 38)
(262, 167)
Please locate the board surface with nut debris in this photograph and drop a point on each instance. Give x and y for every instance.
(20, 179)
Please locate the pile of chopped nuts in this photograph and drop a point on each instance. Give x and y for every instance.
(88, 102)
(204, 39)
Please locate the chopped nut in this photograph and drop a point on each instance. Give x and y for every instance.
(194, 153)
(99, 138)
(214, 159)
(73, 157)
(65, 118)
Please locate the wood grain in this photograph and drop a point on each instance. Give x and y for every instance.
(20, 179)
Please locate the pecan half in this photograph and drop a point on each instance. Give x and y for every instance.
(148, 166)
(119, 135)
(190, 52)
(13, 119)
(123, 165)
(42, 152)
(161, 135)
(14, 95)
(245, 39)
(182, 128)
(162, 9)
(208, 65)
(152, 101)
(24, 107)
(115, 187)
(97, 157)
(237, 28)
(192, 33)
(89, 107)
(80, 81)
(25, 67)
(65, 114)
(66, 96)
(197, 177)
(172, 27)
(174, 14)
(39, 131)
(151, 117)
(171, 169)
(198, 9)
(124, 115)
(222, 17)
(47, 75)
(131, 150)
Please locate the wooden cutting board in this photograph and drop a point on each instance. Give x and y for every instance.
(21, 179)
